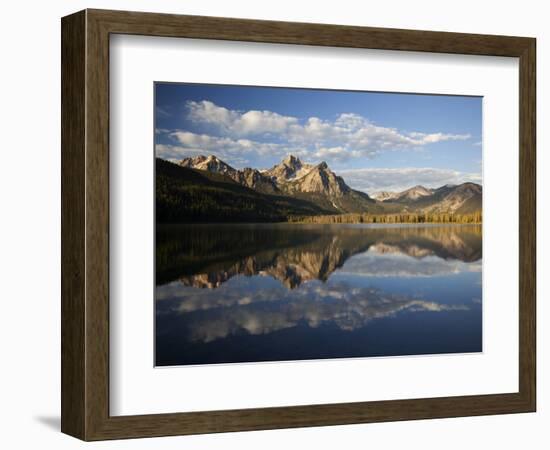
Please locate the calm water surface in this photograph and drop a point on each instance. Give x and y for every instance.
(273, 292)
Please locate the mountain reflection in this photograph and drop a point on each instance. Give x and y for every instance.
(273, 292)
(208, 256)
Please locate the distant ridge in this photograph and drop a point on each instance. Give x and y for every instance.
(207, 188)
(464, 198)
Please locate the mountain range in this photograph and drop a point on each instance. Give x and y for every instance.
(205, 188)
(316, 184)
(464, 198)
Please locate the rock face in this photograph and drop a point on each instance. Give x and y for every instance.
(248, 177)
(414, 193)
(291, 168)
(464, 198)
(383, 196)
(408, 195)
(292, 177)
(254, 179)
(209, 163)
(320, 179)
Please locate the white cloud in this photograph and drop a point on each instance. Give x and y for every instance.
(175, 152)
(335, 153)
(235, 151)
(349, 135)
(208, 112)
(162, 112)
(423, 138)
(237, 123)
(372, 179)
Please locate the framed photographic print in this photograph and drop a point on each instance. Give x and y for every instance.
(270, 224)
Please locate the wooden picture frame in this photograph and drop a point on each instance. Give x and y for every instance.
(85, 224)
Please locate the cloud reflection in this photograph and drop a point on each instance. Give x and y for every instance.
(210, 315)
(398, 265)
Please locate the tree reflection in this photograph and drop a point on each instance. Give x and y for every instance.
(207, 256)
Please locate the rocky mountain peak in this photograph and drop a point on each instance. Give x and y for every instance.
(384, 195)
(469, 187)
(323, 166)
(212, 158)
(321, 180)
(292, 161)
(192, 161)
(211, 163)
(288, 169)
(249, 177)
(415, 193)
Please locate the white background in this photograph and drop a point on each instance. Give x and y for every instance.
(30, 238)
(136, 387)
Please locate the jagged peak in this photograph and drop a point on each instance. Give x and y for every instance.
(323, 165)
(418, 189)
(210, 163)
(468, 185)
(384, 195)
(198, 158)
(291, 160)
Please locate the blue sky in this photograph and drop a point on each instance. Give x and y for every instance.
(376, 141)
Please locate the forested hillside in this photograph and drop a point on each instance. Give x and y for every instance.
(189, 195)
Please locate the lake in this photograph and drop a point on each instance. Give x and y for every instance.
(280, 292)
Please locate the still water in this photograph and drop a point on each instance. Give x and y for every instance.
(276, 292)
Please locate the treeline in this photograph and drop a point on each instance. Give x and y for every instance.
(475, 217)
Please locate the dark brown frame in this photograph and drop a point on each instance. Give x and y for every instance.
(85, 224)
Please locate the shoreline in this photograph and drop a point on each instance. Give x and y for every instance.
(379, 224)
(398, 218)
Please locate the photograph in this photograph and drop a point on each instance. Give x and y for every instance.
(304, 224)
